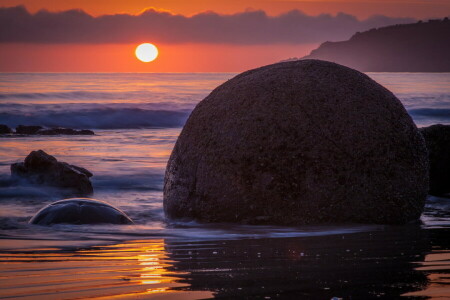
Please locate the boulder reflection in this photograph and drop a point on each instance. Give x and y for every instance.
(371, 265)
(388, 264)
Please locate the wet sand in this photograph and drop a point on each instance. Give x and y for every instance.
(406, 262)
(137, 119)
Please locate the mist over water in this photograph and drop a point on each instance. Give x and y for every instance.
(137, 119)
(151, 100)
(102, 101)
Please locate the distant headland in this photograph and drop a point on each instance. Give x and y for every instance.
(417, 47)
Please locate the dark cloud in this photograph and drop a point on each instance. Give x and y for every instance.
(246, 28)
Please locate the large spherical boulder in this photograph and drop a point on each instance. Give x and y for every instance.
(80, 211)
(298, 143)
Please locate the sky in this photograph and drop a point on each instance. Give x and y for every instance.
(192, 36)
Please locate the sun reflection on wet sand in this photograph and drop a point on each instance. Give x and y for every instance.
(129, 270)
(437, 267)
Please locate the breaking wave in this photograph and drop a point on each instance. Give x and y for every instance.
(431, 112)
(101, 118)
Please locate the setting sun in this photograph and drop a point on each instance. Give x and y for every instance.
(146, 52)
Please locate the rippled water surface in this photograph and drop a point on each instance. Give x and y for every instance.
(137, 118)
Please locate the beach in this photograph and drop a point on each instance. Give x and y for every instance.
(387, 263)
(137, 119)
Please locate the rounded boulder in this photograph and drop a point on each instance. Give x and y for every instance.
(79, 211)
(299, 142)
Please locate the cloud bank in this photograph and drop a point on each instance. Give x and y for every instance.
(17, 25)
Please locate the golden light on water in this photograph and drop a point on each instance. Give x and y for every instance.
(436, 266)
(146, 52)
(122, 271)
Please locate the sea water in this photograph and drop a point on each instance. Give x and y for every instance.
(136, 119)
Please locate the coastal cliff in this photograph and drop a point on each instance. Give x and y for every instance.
(418, 47)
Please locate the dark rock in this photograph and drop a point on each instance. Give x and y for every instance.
(5, 129)
(41, 168)
(437, 138)
(23, 129)
(85, 132)
(82, 170)
(297, 143)
(38, 161)
(80, 211)
(64, 131)
(18, 170)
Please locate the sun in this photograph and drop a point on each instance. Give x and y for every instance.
(146, 52)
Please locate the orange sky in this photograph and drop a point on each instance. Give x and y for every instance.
(360, 8)
(190, 57)
(120, 57)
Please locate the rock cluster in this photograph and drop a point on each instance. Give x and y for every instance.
(41, 168)
(64, 131)
(22, 129)
(5, 129)
(39, 130)
(298, 143)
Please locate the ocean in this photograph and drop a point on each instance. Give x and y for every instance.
(137, 118)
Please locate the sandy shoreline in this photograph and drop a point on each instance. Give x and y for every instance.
(403, 260)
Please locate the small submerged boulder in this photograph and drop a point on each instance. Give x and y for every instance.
(80, 211)
(42, 168)
(298, 142)
(437, 138)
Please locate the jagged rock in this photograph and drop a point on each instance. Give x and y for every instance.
(5, 129)
(80, 211)
(41, 168)
(437, 138)
(297, 143)
(23, 129)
